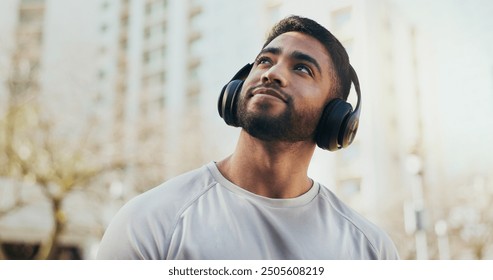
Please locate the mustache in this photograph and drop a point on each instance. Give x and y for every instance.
(270, 87)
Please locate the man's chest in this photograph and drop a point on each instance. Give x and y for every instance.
(256, 234)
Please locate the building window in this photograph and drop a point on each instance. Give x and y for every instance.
(104, 27)
(123, 43)
(274, 12)
(163, 51)
(341, 18)
(149, 8)
(350, 187)
(162, 77)
(147, 33)
(105, 5)
(161, 101)
(146, 58)
(101, 74)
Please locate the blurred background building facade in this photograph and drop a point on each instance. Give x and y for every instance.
(143, 77)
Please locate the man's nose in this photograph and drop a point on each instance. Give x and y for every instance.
(275, 74)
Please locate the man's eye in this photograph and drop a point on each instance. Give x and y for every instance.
(304, 69)
(263, 60)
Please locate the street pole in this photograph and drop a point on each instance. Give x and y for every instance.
(418, 156)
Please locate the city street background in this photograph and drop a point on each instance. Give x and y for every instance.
(101, 100)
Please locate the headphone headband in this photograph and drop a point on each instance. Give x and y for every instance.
(355, 80)
(352, 122)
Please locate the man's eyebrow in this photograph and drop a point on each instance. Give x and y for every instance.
(305, 57)
(270, 50)
(297, 55)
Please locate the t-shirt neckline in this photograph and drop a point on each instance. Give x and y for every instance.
(273, 202)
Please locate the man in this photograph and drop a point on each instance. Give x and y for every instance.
(259, 202)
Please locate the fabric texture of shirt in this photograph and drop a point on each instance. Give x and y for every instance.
(200, 215)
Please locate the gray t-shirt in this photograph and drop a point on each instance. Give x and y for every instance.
(200, 215)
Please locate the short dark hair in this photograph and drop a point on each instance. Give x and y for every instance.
(335, 49)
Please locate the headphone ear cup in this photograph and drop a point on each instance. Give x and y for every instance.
(228, 100)
(332, 123)
(348, 130)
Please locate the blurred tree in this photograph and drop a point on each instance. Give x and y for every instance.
(32, 152)
(37, 154)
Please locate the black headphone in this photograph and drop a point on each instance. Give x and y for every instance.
(337, 126)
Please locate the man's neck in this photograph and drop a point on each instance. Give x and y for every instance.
(270, 169)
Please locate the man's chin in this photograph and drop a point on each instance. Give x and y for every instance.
(263, 128)
(266, 110)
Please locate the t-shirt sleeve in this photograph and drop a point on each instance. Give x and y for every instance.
(143, 228)
(119, 240)
(133, 234)
(387, 249)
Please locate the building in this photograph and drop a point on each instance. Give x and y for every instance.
(144, 78)
(153, 70)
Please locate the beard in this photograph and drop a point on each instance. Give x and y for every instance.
(288, 126)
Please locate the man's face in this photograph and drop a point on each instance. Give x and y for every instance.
(284, 95)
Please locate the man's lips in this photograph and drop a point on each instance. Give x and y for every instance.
(270, 92)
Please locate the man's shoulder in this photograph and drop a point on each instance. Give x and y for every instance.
(343, 210)
(163, 204)
(377, 238)
(175, 192)
(143, 227)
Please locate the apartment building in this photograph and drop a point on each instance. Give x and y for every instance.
(152, 71)
(147, 75)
